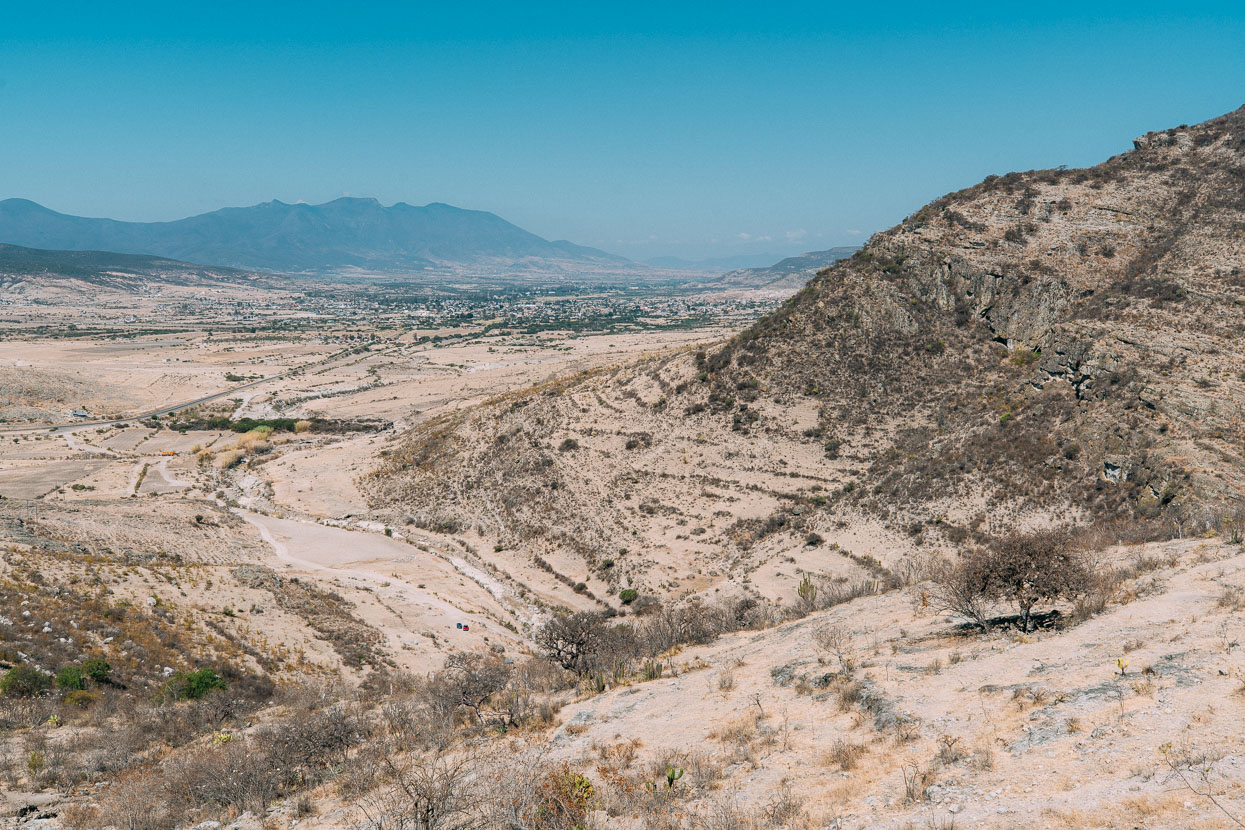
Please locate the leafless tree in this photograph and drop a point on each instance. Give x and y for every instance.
(1031, 568)
(470, 680)
(571, 640)
(837, 641)
(431, 792)
(1026, 569)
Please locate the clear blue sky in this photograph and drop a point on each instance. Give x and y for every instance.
(645, 129)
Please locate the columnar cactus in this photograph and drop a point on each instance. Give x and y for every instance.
(673, 774)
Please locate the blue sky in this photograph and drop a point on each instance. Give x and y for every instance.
(645, 129)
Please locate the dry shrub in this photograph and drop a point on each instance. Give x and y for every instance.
(949, 751)
(850, 694)
(845, 754)
(1232, 597)
(703, 769)
(237, 773)
(725, 814)
(1102, 588)
(916, 782)
(430, 792)
(137, 801)
(836, 641)
(501, 784)
(25, 712)
(229, 459)
(621, 755)
(981, 759)
(784, 808)
(907, 730)
(740, 731)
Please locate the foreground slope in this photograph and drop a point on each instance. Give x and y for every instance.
(1053, 344)
(937, 727)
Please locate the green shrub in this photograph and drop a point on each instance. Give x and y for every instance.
(71, 678)
(193, 685)
(1023, 357)
(24, 681)
(628, 595)
(97, 669)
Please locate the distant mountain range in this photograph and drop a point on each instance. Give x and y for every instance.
(344, 234)
(787, 274)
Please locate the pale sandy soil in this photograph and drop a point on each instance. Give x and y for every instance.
(1086, 752)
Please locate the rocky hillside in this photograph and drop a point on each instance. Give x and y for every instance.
(1055, 344)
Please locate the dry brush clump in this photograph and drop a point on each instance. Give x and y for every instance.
(210, 768)
(404, 747)
(605, 651)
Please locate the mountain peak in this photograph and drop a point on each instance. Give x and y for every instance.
(16, 203)
(361, 201)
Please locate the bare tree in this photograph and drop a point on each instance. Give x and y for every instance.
(1026, 569)
(571, 640)
(1032, 568)
(837, 641)
(964, 589)
(431, 792)
(472, 679)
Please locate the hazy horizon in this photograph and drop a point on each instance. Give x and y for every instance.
(661, 132)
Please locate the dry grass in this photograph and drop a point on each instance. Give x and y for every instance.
(844, 754)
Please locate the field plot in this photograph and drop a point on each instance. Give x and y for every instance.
(34, 479)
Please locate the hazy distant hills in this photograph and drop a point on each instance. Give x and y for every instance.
(788, 274)
(20, 264)
(714, 265)
(344, 234)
